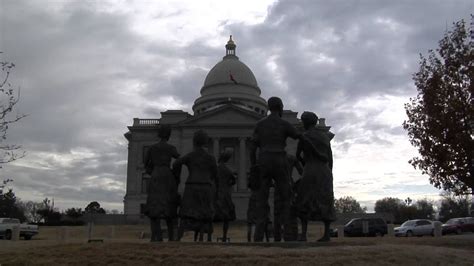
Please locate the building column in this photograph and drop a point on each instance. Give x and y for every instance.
(242, 180)
(215, 148)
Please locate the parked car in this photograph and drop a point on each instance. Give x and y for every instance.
(355, 227)
(458, 225)
(27, 231)
(419, 227)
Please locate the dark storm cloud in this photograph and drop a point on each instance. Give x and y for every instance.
(181, 73)
(70, 67)
(85, 73)
(342, 51)
(72, 62)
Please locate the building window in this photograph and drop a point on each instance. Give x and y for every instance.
(145, 183)
(145, 150)
(142, 208)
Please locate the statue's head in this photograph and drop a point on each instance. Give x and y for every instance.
(200, 138)
(164, 132)
(309, 119)
(225, 156)
(275, 105)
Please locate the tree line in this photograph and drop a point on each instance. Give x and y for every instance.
(44, 212)
(450, 206)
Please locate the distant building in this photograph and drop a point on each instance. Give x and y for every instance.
(229, 106)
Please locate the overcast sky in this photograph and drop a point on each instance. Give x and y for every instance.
(86, 69)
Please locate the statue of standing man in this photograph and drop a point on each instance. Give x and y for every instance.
(269, 138)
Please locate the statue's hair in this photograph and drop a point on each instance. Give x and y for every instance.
(200, 138)
(309, 118)
(164, 131)
(275, 104)
(225, 156)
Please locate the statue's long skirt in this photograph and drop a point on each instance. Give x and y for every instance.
(163, 198)
(198, 202)
(224, 207)
(315, 195)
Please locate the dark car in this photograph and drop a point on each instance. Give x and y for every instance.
(364, 227)
(458, 225)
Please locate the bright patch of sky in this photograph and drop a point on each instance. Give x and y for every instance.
(180, 21)
(87, 68)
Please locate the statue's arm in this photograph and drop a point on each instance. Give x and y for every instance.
(176, 169)
(299, 150)
(292, 132)
(309, 147)
(298, 167)
(175, 153)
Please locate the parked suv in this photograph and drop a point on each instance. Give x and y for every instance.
(458, 225)
(364, 227)
(419, 227)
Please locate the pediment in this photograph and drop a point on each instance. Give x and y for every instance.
(225, 115)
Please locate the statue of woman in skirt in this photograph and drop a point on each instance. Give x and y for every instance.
(162, 195)
(224, 207)
(315, 195)
(197, 207)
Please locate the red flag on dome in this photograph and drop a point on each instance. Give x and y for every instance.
(232, 78)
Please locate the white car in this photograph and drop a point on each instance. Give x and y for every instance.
(26, 230)
(420, 227)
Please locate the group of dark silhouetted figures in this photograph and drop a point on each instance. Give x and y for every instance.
(207, 196)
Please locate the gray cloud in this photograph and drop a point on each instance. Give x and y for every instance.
(328, 55)
(71, 65)
(85, 73)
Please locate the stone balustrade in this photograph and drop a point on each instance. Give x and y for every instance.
(145, 122)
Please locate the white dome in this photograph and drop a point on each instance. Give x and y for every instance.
(230, 66)
(230, 81)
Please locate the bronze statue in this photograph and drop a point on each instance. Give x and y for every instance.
(253, 184)
(269, 138)
(315, 196)
(225, 209)
(197, 207)
(292, 235)
(162, 195)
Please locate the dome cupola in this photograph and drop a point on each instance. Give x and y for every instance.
(230, 47)
(230, 81)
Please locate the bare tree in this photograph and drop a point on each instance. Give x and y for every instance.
(30, 209)
(9, 98)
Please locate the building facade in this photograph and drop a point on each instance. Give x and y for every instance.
(228, 109)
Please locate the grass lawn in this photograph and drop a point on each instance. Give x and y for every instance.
(125, 247)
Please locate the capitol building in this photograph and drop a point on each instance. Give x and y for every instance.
(228, 109)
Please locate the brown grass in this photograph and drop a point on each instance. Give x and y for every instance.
(126, 248)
